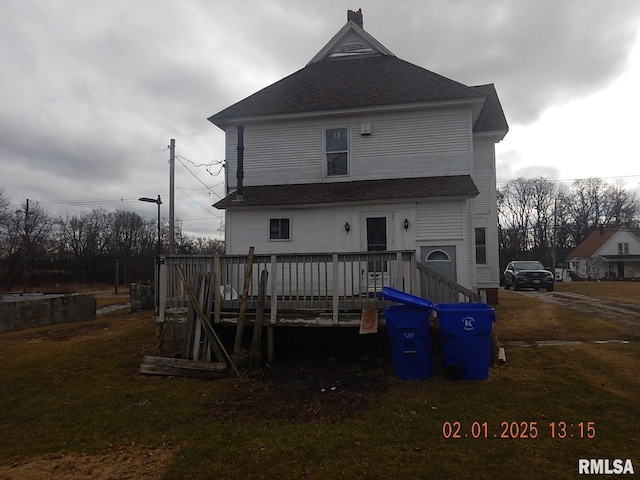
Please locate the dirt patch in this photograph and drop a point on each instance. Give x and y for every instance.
(311, 393)
(126, 463)
(319, 375)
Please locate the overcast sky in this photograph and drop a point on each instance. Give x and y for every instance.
(93, 91)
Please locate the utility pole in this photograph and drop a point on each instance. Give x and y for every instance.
(553, 243)
(172, 225)
(26, 247)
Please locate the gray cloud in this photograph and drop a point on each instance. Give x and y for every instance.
(93, 91)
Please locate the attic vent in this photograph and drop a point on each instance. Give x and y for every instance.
(353, 45)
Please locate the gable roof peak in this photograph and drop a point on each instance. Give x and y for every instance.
(351, 42)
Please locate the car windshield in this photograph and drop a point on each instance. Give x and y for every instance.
(527, 266)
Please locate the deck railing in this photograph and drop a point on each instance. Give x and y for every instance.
(322, 283)
(326, 282)
(439, 289)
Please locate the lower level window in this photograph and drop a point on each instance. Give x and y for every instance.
(279, 229)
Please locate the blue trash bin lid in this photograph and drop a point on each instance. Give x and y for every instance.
(406, 298)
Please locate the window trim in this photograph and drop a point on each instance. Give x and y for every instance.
(481, 247)
(279, 239)
(327, 152)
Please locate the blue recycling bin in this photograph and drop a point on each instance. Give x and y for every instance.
(465, 334)
(409, 328)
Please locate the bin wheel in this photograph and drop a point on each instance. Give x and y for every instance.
(454, 372)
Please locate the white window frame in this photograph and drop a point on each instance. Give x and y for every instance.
(327, 152)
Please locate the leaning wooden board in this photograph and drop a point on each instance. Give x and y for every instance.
(181, 367)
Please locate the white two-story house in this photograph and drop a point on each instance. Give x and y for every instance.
(363, 151)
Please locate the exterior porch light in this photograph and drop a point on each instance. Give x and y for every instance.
(347, 227)
(405, 224)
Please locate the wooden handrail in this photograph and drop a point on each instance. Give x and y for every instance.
(439, 278)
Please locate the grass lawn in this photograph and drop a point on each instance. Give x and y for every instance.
(75, 407)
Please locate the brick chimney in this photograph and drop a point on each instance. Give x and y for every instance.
(355, 17)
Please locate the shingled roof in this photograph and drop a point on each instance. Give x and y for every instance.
(492, 118)
(364, 82)
(341, 192)
(370, 77)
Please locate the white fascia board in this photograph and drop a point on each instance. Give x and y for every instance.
(475, 103)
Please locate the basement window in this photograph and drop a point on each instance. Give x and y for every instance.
(279, 229)
(337, 151)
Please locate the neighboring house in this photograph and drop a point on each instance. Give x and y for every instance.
(609, 252)
(362, 151)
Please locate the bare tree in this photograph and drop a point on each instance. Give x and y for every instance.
(27, 236)
(514, 214)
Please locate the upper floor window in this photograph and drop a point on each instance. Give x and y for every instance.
(337, 151)
(481, 246)
(279, 229)
(623, 249)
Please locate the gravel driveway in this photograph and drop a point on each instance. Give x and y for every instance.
(627, 314)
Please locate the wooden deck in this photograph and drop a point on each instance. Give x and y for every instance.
(320, 289)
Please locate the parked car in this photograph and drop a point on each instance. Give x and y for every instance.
(527, 274)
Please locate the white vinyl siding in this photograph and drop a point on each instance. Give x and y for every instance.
(399, 146)
(439, 221)
(314, 231)
(484, 176)
(275, 155)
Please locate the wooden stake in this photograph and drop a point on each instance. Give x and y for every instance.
(242, 315)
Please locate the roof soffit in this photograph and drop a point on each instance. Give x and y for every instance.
(350, 42)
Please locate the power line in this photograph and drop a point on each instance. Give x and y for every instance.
(196, 177)
(207, 166)
(194, 200)
(214, 162)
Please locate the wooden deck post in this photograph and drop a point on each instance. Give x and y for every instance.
(399, 271)
(336, 288)
(257, 326)
(217, 283)
(162, 289)
(415, 288)
(274, 289)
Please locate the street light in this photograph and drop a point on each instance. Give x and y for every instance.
(159, 202)
(157, 290)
